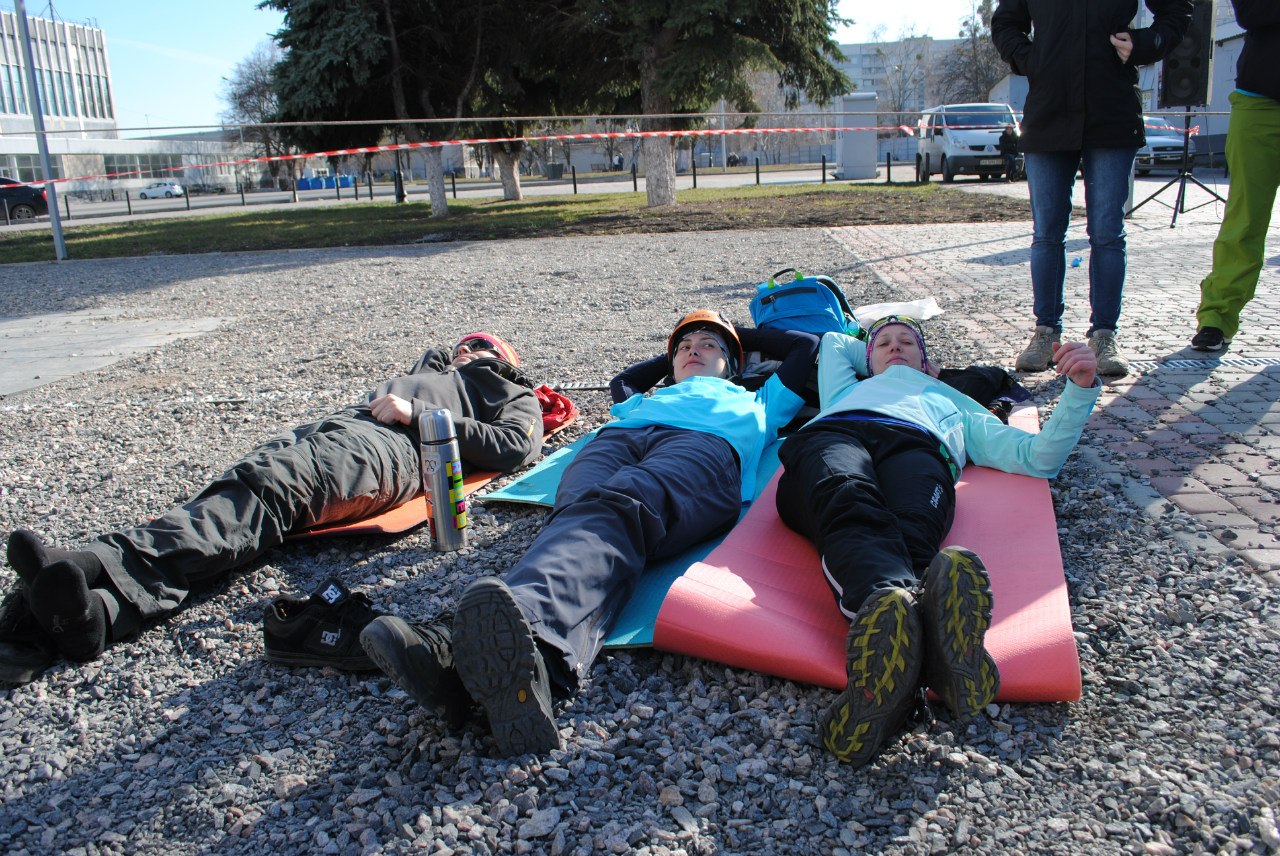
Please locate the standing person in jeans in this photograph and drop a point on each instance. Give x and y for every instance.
(1253, 158)
(1083, 112)
(671, 470)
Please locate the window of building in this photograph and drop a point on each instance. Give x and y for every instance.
(64, 90)
(142, 166)
(7, 104)
(104, 97)
(27, 167)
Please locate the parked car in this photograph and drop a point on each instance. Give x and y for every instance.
(962, 139)
(161, 189)
(24, 201)
(1164, 146)
(205, 188)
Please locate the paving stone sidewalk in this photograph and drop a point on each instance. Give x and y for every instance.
(1185, 431)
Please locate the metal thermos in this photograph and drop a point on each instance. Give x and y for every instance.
(442, 479)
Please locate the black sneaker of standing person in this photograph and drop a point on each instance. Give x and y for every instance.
(322, 630)
(419, 658)
(26, 649)
(1209, 339)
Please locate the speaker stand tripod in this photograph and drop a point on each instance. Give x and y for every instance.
(1184, 175)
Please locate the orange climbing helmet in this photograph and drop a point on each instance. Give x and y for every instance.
(713, 322)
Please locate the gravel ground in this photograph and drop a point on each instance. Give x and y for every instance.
(184, 740)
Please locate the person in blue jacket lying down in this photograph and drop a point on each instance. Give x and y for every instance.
(671, 470)
(871, 481)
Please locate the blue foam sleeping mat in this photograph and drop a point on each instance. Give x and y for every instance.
(634, 627)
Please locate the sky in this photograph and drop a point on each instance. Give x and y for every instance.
(938, 18)
(169, 57)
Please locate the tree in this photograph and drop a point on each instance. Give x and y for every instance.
(970, 71)
(414, 60)
(905, 63)
(682, 56)
(370, 61)
(250, 95)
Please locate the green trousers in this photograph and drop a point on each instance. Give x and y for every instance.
(1253, 157)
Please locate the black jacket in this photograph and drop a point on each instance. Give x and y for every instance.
(797, 350)
(495, 412)
(1008, 142)
(1079, 93)
(1261, 22)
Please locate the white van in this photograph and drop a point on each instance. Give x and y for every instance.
(962, 139)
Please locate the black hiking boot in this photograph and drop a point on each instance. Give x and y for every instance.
(883, 652)
(955, 605)
(500, 664)
(419, 658)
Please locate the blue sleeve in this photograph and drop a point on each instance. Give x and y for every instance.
(991, 443)
(841, 360)
(780, 406)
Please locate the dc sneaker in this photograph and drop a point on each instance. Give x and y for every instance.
(321, 630)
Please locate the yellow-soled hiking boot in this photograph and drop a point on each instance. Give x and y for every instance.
(955, 607)
(884, 650)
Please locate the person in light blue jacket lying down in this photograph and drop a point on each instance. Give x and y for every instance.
(671, 470)
(871, 481)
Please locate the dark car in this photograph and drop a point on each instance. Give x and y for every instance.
(23, 201)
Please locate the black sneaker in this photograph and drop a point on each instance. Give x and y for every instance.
(1209, 339)
(26, 649)
(500, 665)
(956, 608)
(419, 657)
(322, 630)
(883, 651)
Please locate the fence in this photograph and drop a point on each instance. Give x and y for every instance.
(588, 156)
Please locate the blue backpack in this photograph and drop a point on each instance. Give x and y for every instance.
(814, 304)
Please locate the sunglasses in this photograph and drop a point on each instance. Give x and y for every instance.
(474, 344)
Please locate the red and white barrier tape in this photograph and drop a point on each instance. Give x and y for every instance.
(478, 141)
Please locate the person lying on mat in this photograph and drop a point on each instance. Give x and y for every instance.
(353, 464)
(871, 481)
(673, 469)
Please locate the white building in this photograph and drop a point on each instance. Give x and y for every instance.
(73, 76)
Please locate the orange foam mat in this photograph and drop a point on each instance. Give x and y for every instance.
(413, 513)
(393, 521)
(759, 600)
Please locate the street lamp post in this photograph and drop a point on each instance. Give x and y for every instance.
(42, 142)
